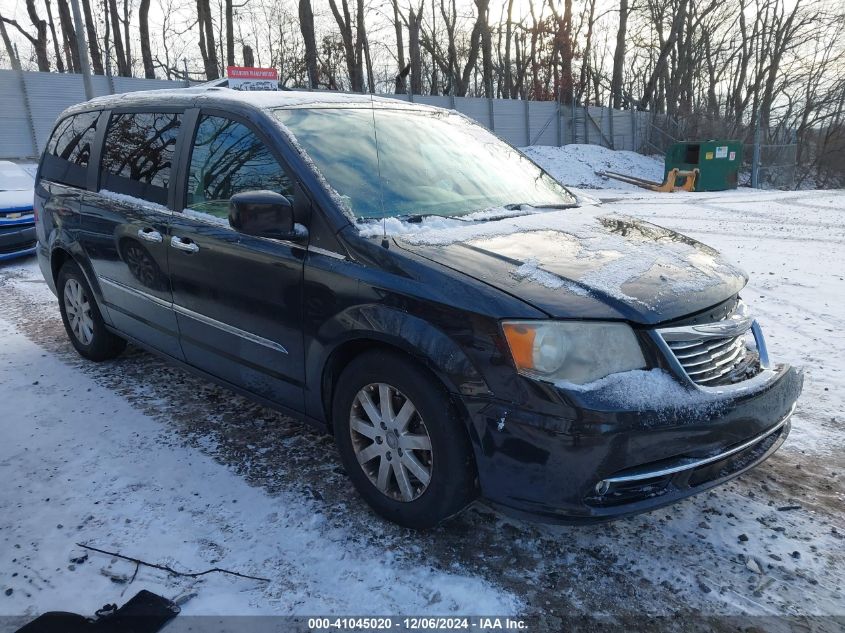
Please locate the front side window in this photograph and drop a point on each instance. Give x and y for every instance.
(138, 154)
(398, 162)
(69, 149)
(228, 158)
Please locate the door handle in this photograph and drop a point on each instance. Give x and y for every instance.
(184, 244)
(150, 235)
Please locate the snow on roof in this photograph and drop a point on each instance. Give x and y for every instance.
(263, 99)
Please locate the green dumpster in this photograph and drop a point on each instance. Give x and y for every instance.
(717, 162)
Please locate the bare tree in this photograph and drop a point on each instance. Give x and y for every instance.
(7, 43)
(619, 55)
(60, 64)
(69, 37)
(93, 41)
(123, 68)
(144, 32)
(665, 50)
(208, 48)
(39, 40)
(353, 36)
(306, 25)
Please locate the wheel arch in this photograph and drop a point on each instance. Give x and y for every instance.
(404, 334)
(60, 254)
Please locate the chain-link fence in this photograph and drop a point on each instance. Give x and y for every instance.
(769, 159)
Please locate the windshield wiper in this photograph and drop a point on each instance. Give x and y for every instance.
(518, 206)
(417, 218)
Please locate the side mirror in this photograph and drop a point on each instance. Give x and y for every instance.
(262, 213)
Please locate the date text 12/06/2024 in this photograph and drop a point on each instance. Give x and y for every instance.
(493, 623)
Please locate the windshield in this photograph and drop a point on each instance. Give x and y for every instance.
(427, 163)
(13, 178)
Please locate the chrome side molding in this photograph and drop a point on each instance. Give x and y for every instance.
(231, 329)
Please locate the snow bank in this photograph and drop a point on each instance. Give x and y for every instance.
(576, 165)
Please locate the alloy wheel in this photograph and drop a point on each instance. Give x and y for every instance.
(78, 310)
(391, 442)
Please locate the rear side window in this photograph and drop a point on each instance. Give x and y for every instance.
(138, 154)
(69, 149)
(228, 158)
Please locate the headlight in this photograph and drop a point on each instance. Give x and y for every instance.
(570, 351)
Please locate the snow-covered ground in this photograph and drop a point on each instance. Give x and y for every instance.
(139, 457)
(576, 165)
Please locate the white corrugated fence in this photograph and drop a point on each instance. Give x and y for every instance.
(31, 101)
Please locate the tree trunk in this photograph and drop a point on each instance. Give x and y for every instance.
(106, 36)
(144, 30)
(122, 66)
(400, 49)
(249, 58)
(127, 40)
(40, 40)
(69, 38)
(306, 26)
(507, 80)
(666, 49)
(360, 48)
(93, 46)
(208, 48)
(10, 49)
(350, 46)
(486, 46)
(230, 34)
(60, 65)
(566, 50)
(619, 56)
(414, 52)
(586, 75)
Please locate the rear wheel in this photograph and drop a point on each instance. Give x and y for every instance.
(401, 442)
(82, 319)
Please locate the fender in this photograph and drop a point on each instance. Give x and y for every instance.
(379, 324)
(61, 241)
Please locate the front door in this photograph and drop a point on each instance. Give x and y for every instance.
(237, 298)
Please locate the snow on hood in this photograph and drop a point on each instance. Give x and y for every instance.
(643, 271)
(16, 200)
(16, 187)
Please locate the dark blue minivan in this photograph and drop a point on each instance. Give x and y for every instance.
(463, 325)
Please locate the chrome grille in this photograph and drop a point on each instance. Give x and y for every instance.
(708, 360)
(719, 353)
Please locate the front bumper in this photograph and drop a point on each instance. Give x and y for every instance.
(595, 460)
(17, 237)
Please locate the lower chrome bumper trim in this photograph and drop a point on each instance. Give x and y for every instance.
(690, 464)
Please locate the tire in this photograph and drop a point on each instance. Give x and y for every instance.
(82, 319)
(407, 500)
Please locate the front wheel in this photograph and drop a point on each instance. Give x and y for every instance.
(401, 442)
(82, 319)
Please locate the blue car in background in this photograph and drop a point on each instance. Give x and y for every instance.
(17, 222)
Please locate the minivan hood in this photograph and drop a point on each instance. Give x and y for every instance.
(582, 263)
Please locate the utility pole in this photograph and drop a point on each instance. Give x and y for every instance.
(82, 44)
(755, 159)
